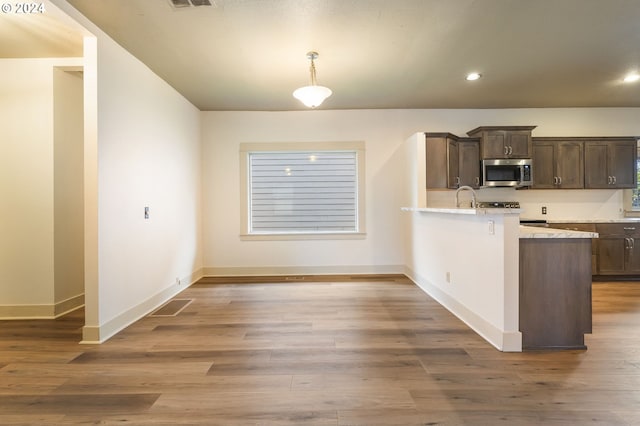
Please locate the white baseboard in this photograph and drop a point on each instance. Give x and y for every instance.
(43, 311)
(503, 340)
(100, 334)
(240, 271)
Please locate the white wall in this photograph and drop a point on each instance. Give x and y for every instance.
(384, 132)
(145, 138)
(469, 270)
(26, 187)
(225, 253)
(148, 156)
(68, 188)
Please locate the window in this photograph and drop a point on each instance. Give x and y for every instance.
(635, 194)
(302, 190)
(632, 196)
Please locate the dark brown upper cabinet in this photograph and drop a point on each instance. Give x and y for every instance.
(503, 141)
(557, 163)
(610, 163)
(451, 161)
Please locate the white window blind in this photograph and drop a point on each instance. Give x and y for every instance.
(303, 192)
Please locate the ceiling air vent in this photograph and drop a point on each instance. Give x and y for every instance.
(181, 4)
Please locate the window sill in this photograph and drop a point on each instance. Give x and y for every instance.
(301, 236)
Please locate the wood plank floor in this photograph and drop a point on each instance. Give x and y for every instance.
(326, 353)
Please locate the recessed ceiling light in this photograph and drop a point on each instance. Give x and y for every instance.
(630, 78)
(473, 76)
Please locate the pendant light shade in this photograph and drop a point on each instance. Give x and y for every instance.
(313, 95)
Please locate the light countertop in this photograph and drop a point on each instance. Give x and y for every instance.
(461, 210)
(596, 220)
(541, 232)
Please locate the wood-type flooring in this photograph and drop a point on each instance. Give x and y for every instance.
(318, 353)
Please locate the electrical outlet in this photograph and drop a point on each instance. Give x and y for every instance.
(492, 227)
(448, 277)
(178, 282)
(146, 212)
(544, 209)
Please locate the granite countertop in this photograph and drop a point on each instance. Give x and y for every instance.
(461, 210)
(616, 220)
(541, 232)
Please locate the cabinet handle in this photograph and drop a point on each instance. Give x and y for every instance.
(510, 150)
(555, 180)
(559, 180)
(614, 179)
(629, 228)
(477, 181)
(633, 243)
(506, 150)
(609, 182)
(457, 180)
(627, 244)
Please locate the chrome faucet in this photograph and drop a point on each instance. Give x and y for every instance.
(473, 195)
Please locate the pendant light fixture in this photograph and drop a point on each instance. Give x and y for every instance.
(313, 95)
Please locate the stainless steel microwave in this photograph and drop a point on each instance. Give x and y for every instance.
(506, 172)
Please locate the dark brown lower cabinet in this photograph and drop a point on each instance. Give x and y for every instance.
(555, 292)
(617, 250)
(612, 255)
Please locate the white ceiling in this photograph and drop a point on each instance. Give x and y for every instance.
(251, 54)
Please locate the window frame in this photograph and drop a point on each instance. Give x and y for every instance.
(245, 205)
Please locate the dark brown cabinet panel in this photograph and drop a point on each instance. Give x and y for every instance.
(584, 227)
(543, 165)
(519, 143)
(557, 163)
(610, 164)
(503, 142)
(555, 292)
(633, 256)
(469, 162)
(570, 165)
(611, 255)
(437, 160)
(451, 161)
(617, 252)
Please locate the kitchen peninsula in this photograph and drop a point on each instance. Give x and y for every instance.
(471, 261)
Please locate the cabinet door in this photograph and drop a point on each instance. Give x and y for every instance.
(519, 143)
(436, 162)
(611, 255)
(570, 165)
(543, 165)
(453, 172)
(494, 143)
(622, 163)
(633, 256)
(596, 174)
(469, 163)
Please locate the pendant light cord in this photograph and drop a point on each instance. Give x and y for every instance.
(312, 69)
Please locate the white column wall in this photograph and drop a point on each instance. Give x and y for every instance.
(26, 181)
(145, 138)
(148, 156)
(68, 211)
(27, 284)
